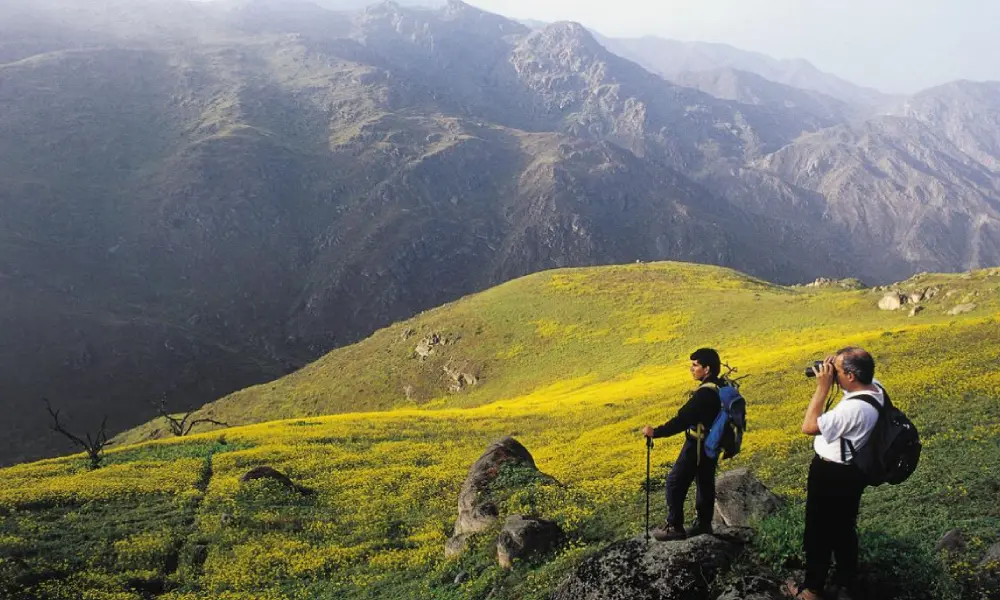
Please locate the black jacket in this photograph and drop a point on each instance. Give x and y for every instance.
(702, 408)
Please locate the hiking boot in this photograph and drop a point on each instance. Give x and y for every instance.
(668, 532)
(791, 589)
(698, 529)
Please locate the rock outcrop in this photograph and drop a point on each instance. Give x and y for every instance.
(892, 301)
(740, 498)
(477, 508)
(426, 346)
(952, 541)
(847, 284)
(524, 537)
(961, 309)
(461, 376)
(680, 570)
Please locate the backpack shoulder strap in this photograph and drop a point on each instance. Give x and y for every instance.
(868, 399)
(885, 395)
(708, 385)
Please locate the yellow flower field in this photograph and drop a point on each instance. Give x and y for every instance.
(172, 516)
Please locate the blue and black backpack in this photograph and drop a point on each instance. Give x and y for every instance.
(725, 436)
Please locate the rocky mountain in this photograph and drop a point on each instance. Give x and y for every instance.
(935, 202)
(196, 197)
(355, 5)
(749, 88)
(672, 59)
(967, 113)
(581, 88)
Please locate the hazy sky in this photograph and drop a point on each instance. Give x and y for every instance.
(892, 45)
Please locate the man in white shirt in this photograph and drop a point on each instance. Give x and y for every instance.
(833, 491)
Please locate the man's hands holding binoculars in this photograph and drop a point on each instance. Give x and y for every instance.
(824, 371)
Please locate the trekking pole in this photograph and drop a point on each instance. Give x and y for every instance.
(649, 447)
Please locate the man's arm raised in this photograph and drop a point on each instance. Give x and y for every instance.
(824, 381)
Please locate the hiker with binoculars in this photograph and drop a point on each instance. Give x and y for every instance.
(849, 451)
(694, 464)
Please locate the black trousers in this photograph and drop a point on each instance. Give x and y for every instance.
(833, 498)
(689, 469)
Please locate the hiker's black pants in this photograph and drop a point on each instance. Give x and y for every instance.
(688, 469)
(833, 497)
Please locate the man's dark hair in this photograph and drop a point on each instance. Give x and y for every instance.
(707, 357)
(859, 362)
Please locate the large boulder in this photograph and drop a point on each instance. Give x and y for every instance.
(523, 537)
(740, 498)
(962, 308)
(477, 508)
(952, 541)
(461, 375)
(426, 346)
(634, 569)
(457, 544)
(892, 301)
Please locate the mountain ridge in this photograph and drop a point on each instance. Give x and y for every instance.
(673, 58)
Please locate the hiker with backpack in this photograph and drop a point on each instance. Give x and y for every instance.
(863, 440)
(699, 420)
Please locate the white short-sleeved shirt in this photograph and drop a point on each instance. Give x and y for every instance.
(853, 420)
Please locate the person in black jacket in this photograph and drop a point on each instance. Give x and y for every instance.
(694, 419)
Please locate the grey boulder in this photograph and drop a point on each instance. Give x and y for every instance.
(741, 498)
(524, 537)
(637, 570)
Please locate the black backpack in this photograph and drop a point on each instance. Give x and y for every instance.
(893, 449)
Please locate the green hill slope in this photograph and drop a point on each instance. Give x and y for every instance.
(599, 324)
(572, 363)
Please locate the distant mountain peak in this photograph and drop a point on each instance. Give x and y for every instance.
(965, 87)
(384, 8)
(669, 58)
(569, 30)
(571, 35)
(458, 11)
(967, 112)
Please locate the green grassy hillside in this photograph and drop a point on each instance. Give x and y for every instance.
(572, 363)
(598, 324)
